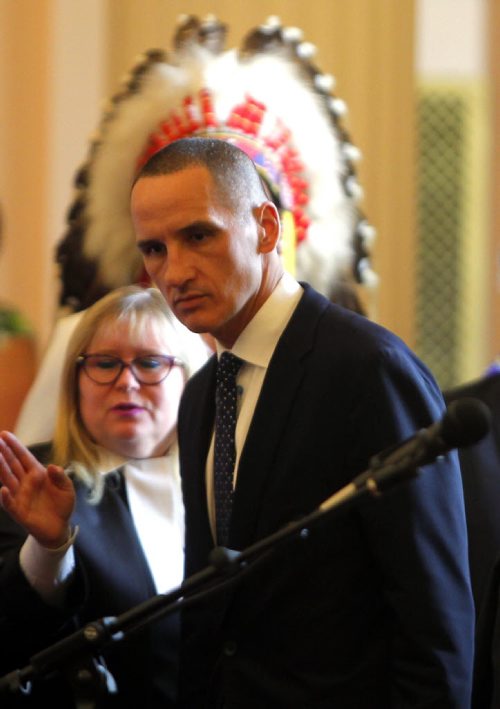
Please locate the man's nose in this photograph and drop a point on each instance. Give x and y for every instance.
(177, 269)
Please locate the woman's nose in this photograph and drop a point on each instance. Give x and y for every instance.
(126, 379)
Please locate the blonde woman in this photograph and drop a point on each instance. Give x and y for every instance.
(100, 529)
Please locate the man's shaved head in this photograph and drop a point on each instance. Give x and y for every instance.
(233, 172)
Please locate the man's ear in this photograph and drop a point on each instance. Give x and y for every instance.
(268, 219)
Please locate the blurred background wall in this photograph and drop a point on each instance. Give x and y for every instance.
(421, 83)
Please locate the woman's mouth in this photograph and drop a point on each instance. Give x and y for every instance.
(128, 408)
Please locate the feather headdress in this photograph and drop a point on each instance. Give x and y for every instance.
(269, 99)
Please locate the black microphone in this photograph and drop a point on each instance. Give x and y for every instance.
(465, 422)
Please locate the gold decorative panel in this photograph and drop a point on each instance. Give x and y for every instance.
(451, 232)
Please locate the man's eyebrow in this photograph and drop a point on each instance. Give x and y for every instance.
(186, 230)
(197, 225)
(144, 243)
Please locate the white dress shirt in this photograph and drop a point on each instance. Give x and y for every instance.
(155, 501)
(255, 346)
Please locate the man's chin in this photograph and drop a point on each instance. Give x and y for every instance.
(193, 321)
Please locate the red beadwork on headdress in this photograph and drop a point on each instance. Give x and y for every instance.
(274, 154)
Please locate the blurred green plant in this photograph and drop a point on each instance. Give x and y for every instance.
(13, 323)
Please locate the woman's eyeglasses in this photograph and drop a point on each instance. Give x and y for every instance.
(147, 369)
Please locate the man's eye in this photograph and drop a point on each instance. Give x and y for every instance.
(152, 248)
(197, 236)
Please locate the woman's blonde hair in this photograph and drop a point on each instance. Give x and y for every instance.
(139, 307)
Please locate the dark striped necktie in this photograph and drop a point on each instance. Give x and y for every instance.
(225, 451)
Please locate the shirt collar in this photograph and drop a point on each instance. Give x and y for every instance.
(258, 340)
(109, 462)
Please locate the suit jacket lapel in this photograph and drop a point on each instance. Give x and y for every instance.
(197, 417)
(110, 525)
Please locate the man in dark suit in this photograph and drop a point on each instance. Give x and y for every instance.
(480, 466)
(374, 609)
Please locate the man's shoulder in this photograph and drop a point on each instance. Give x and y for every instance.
(486, 388)
(346, 326)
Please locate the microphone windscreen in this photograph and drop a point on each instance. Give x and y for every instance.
(465, 422)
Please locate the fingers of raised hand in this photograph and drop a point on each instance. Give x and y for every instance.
(17, 465)
(23, 455)
(10, 468)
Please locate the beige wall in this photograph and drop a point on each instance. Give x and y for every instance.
(61, 57)
(494, 61)
(51, 69)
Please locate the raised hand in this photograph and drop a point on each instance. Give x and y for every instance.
(38, 498)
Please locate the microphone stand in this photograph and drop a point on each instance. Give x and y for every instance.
(75, 655)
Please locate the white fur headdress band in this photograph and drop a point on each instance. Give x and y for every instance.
(269, 99)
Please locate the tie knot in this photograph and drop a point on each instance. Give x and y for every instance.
(228, 366)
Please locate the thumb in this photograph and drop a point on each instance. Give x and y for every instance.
(58, 477)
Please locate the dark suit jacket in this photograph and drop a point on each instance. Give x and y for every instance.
(374, 608)
(480, 465)
(486, 686)
(112, 577)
